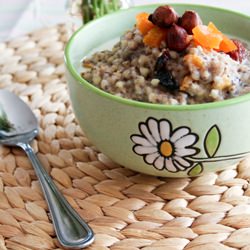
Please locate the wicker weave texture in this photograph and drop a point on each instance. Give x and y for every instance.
(127, 210)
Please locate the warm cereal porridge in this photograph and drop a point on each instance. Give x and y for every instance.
(149, 67)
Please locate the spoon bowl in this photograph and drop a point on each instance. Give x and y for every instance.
(18, 127)
(22, 119)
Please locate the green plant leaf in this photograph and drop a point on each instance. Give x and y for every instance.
(212, 141)
(196, 170)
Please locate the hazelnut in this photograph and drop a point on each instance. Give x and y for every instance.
(189, 20)
(177, 38)
(164, 16)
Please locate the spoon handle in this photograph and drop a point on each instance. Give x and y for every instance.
(71, 230)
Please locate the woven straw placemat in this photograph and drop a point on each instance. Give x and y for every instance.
(127, 210)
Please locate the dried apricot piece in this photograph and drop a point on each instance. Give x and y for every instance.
(143, 24)
(215, 30)
(212, 38)
(226, 45)
(195, 60)
(155, 37)
(205, 36)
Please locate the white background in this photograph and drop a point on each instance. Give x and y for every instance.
(237, 5)
(21, 16)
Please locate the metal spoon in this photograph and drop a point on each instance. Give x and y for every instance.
(20, 128)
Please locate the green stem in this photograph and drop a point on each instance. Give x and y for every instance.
(220, 158)
(115, 4)
(106, 7)
(92, 9)
(101, 7)
(86, 11)
(95, 5)
(96, 8)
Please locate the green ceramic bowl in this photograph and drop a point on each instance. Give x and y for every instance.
(161, 140)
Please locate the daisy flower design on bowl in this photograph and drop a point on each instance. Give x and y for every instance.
(164, 147)
(172, 149)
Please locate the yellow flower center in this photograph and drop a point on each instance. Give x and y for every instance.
(166, 149)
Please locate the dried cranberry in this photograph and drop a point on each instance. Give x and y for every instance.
(240, 53)
(163, 74)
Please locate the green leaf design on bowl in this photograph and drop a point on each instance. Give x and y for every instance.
(196, 170)
(212, 141)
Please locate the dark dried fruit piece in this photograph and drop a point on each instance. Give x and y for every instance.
(164, 16)
(150, 18)
(163, 74)
(240, 54)
(189, 20)
(162, 61)
(177, 38)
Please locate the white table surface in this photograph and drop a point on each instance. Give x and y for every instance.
(20, 16)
